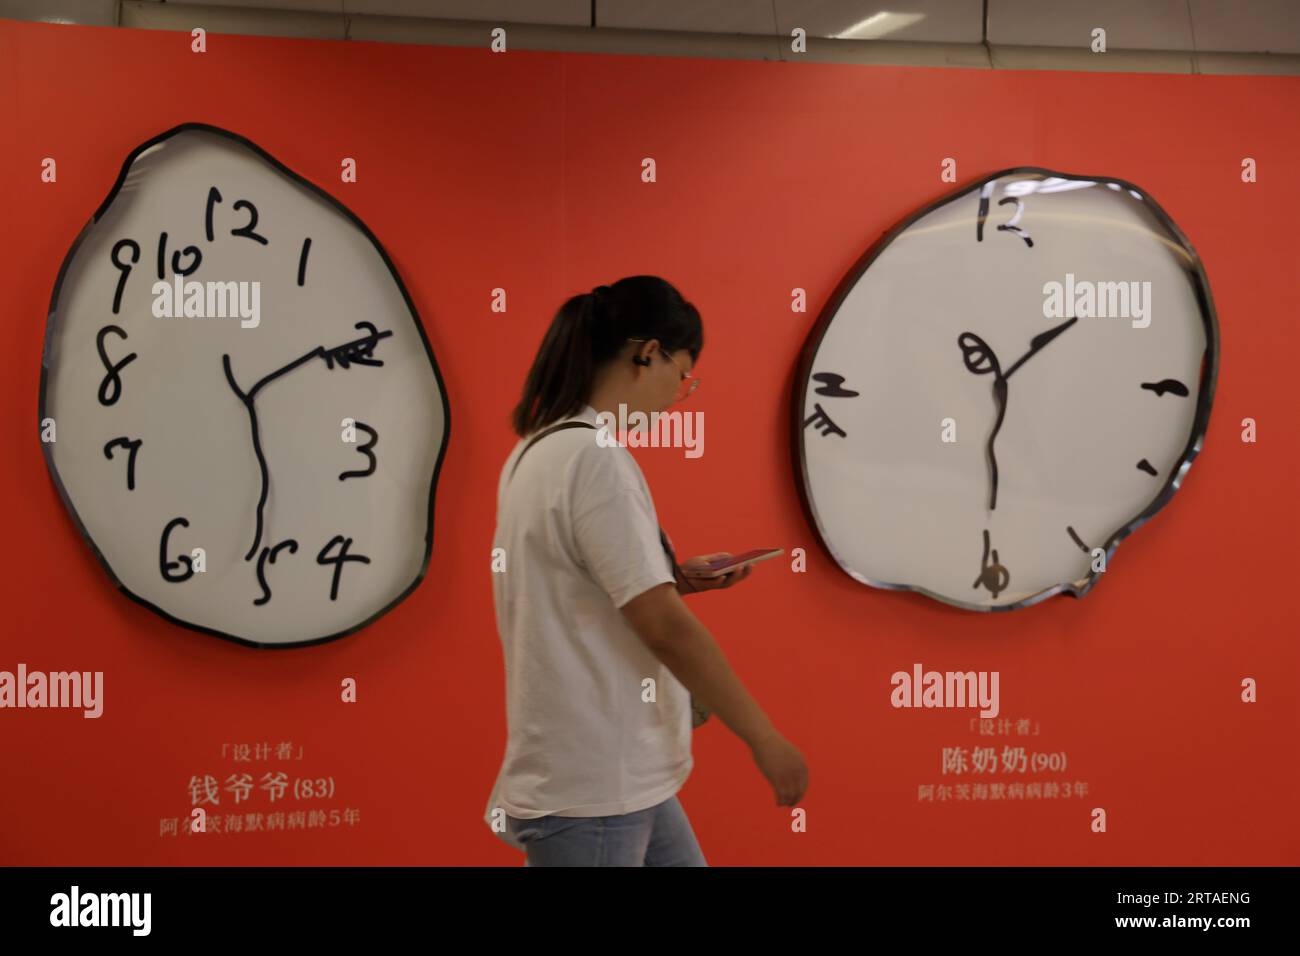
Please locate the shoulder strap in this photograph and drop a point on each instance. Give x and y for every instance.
(663, 538)
(699, 714)
(542, 434)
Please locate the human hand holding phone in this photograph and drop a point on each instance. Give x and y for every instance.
(692, 567)
(722, 569)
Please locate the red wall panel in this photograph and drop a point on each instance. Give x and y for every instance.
(522, 171)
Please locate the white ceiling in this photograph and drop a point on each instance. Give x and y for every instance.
(1238, 26)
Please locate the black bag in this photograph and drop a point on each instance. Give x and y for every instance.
(698, 714)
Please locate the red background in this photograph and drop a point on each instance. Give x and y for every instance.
(523, 171)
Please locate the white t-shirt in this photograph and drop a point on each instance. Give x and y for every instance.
(581, 539)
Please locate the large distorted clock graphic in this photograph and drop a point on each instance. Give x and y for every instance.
(255, 457)
(1003, 388)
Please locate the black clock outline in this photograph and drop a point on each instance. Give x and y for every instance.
(351, 217)
(1209, 376)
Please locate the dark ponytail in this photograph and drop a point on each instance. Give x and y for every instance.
(588, 331)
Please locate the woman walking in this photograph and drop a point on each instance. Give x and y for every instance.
(603, 660)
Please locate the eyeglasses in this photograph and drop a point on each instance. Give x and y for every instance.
(690, 381)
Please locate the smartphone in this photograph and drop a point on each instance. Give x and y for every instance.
(720, 566)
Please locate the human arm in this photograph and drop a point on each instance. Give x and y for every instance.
(618, 540)
(677, 638)
(687, 584)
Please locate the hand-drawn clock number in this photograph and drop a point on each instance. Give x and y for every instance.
(338, 560)
(123, 267)
(831, 385)
(993, 576)
(132, 446)
(1011, 225)
(176, 259)
(168, 566)
(270, 554)
(246, 230)
(214, 197)
(365, 450)
(110, 389)
(302, 260)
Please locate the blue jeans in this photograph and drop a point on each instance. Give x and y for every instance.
(656, 836)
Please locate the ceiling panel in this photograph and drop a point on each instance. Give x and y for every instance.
(294, 6)
(98, 13)
(1145, 25)
(569, 13)
(257, 20)
(1257, 26)
(927, 21)
(692, 16)
(1163, 28)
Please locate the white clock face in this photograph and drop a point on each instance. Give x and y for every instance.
(256, 457)
(1004, 388)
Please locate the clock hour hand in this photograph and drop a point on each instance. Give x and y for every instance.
(1037, 343)
(359, 351)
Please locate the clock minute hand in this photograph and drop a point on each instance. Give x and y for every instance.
(358, 351)
(1037, 343)
(1000, 397)
(979, 358)
(246, 399)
